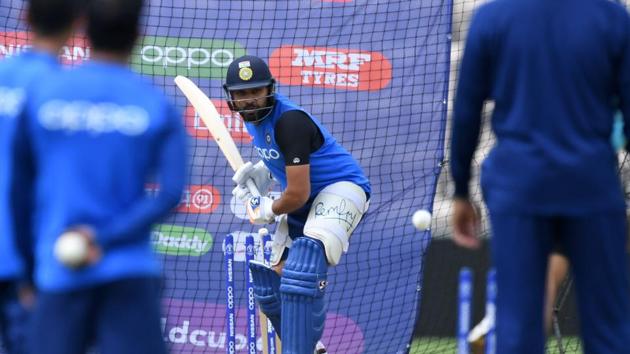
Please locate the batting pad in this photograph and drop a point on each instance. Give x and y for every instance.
(302, 290)
(267, 292)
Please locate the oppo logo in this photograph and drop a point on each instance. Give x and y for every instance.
(170, 56)
(190, 57)
(11, 101)
(95, 118)
(267, 154)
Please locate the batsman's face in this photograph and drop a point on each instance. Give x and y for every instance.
(251, 99)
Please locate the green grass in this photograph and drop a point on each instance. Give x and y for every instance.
(437, 345)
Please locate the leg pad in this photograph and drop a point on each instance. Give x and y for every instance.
(267, 293)
(302, 290)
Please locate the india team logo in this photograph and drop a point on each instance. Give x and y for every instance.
(245, 74)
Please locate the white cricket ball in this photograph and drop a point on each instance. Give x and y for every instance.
(263, 231)
(71, 249)
(421, 219)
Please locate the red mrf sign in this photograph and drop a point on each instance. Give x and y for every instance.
(331, 67)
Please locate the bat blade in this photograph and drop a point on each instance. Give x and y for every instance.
(212, 119)
(214, 123)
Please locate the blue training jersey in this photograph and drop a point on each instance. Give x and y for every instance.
(96, 135)
(329, 164)
(16, 74)
(555, 70)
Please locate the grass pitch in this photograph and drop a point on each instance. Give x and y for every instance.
(438, 345)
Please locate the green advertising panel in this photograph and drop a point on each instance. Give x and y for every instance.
(181, 241)
(191, 57)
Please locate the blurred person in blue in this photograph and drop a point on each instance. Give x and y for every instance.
(51, 23)
(557, 72)
(324, 196)
(558, 267)
(90, 140)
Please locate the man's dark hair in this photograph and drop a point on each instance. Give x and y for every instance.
(53, 17)
(113, 24)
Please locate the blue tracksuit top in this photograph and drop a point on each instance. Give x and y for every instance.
(16, 75)
(95, 136)
(557, 71)
(329, 164)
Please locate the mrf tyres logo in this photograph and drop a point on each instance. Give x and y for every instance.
(181, 241)
(331, 67)
(192, 57)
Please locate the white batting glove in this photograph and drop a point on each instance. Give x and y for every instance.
(259, 210)
(241, 192)
(259, 173)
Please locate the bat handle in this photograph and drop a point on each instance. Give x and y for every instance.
(252, 188)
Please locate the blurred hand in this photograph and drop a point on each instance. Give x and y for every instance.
(466, 223)
(279, 267)
(26, 296)
(94, 253)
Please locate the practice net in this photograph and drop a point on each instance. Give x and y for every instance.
(380, 76)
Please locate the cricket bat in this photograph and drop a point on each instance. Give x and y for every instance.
(264, 329)
(213, 121)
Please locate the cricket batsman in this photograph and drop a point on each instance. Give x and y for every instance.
(325, 194)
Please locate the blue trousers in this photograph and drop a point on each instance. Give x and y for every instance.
(596, 247)
(120, 317)
(14, 319)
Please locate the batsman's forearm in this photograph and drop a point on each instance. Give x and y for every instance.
(287, 203)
